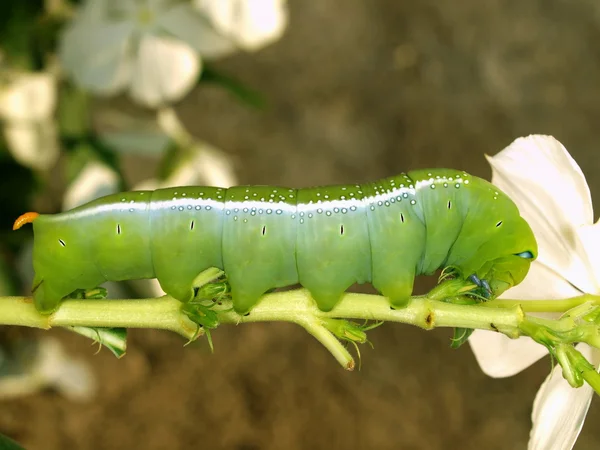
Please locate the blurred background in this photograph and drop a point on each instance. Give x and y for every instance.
(98, 97)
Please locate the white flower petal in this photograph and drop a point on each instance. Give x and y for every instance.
(33, 144)
(500, 356)
(545, 163)
(94, 11)
(94, 181)
(559, 410)
(589, 238)
(552, 195)
(29, 97)
(187, 24)
(251, 24)
(95, 54)
(165, 70)
(541, 283)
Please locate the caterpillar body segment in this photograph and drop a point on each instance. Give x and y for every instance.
(325, 238)
(186, 229)
(259, 241)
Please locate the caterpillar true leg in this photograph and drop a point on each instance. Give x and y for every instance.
(486, 290)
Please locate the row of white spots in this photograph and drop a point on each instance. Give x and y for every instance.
(201, 195)
(327, 208)
(432, 183)
(254, 207)
(271, 197)
(390, 196)
(198, 205)
(134, 205)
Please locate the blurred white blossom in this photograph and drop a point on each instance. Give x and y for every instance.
(94, 181)
(202, 165)
(552, 194)
(27, 106)
(248, 24)
(46, 365)
(153, 48)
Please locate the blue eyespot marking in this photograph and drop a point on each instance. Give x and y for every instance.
(525, 255)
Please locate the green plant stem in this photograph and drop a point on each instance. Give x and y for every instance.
(293, 306)
(325, 337)
(591, 377)
(297, 306)
(160, 313)
(558, 306)
(331, 328)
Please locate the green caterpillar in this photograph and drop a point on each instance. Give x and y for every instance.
(263, 237)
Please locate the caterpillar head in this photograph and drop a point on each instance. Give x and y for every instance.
(508, 256)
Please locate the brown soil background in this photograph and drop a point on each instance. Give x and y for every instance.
(357, 90)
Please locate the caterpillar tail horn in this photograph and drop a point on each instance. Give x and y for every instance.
(23, 219)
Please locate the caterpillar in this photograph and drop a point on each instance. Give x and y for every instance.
(263, 237)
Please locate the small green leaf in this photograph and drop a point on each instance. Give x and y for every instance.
(201, 313)
(248, 96)
(7, 443)
(172, 158)
(461, 335)
(346, 330)
(217, 291)
(114, 339)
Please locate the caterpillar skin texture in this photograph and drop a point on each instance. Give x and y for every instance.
(264, 237)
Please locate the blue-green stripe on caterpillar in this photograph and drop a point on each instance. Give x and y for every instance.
(263, 237)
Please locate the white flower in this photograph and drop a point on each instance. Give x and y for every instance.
(111, 46)
(50, 366)
(248, 24)
(152, 48)
(552, 194)
(27, 104)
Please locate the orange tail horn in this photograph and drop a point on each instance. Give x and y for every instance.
(24, 218)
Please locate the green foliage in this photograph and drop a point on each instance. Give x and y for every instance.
(17, 22)
(114, 339)
(7, 443)
(461, 335)
(240, 91)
